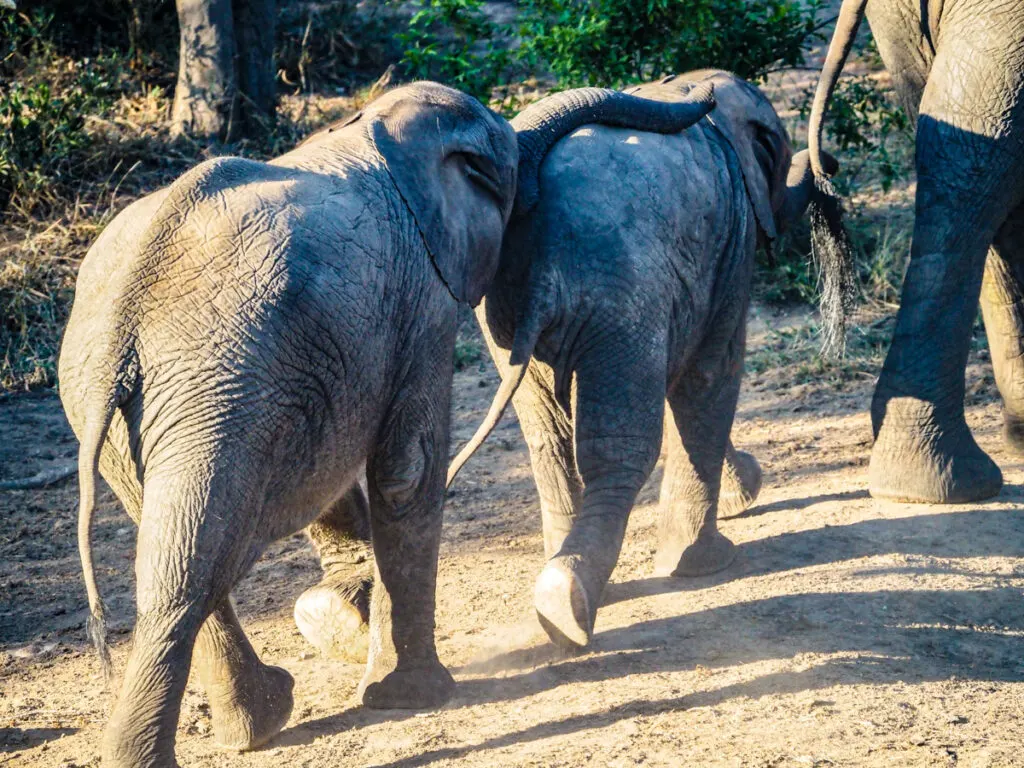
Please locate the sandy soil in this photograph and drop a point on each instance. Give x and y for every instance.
(848, 632)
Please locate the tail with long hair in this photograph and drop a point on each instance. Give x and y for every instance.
(830, 243)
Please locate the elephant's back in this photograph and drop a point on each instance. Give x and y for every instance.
(633, 195)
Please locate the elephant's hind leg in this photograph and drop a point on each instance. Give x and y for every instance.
(620, 399)
(703, 403)
(969, 168)
(189, 556)
(741, 483)
(1002, 302)
(250, 702)
(333, 615)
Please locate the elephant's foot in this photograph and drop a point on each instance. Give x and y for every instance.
(563, 606)
(1013, 433)
(931, 465)
(248, 712)
(709, 553)
(741, 482)
(420, 686)
(333, 616)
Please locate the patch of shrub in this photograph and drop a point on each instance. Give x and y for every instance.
(456, 43)
(614, 42)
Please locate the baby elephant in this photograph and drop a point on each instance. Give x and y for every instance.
(623, 284)
(241, 344)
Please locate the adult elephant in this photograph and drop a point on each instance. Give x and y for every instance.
(958, 67)
(619, 307)
(241, 344)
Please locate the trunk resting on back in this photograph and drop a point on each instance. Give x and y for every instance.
(541, 125)
(538, 129)
(831, 245)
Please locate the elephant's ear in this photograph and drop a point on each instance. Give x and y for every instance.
(456, 174)
(758, 158)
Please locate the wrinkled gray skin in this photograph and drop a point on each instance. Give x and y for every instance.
(242, 343)
(333, 614)
(623, 289)
(958, 66)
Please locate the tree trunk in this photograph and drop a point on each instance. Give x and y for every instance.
(254, 35)
(205, 96)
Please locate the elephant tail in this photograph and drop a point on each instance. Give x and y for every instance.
(523, 344)
(99, 415)
(541, 125)
(831, 246)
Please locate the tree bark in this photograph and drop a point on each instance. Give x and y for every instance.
(254, 35)
(205, 96)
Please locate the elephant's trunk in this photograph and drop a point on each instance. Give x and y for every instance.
(800, 187)
(541, 125)
(830, 243)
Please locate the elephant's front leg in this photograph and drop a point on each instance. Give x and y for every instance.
(333, 615)
(406, 483)
(1002, 302)
(620, 394)
(703, 403)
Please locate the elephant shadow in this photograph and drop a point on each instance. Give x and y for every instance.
(865, 637)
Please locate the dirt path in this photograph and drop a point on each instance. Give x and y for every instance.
(848, 632)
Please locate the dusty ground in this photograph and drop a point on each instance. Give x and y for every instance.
(848, 632)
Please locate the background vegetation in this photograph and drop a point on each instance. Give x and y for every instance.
(86, 87)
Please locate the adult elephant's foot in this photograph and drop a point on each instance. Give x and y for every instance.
(1013, 433)
(564, 609)
(709, 553)
(333, 616)
(416, 686)
(921, 458)
(248, 712)
(741, 482)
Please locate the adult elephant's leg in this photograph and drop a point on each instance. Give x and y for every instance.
(620, 397)
(968, 173)
(333, 615)
(250, 702)
(406, 478)
(741, 482)
(1002, 302)
(189, 555)
(703, 403)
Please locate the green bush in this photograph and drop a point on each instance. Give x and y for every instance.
(43, 108)
(613, 42)
(454, 42)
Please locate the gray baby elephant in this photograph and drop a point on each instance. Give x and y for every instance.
(623, 284)
(241, 344)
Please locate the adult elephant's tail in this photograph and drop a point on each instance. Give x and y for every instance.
(541, 125)
(830, 242)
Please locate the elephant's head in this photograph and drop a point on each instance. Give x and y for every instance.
(453, 162)
(781, 187)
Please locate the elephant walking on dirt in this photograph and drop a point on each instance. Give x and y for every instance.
(242, 344)
(958, 67)
(624, 283)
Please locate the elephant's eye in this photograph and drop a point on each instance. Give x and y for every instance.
(483, 174)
